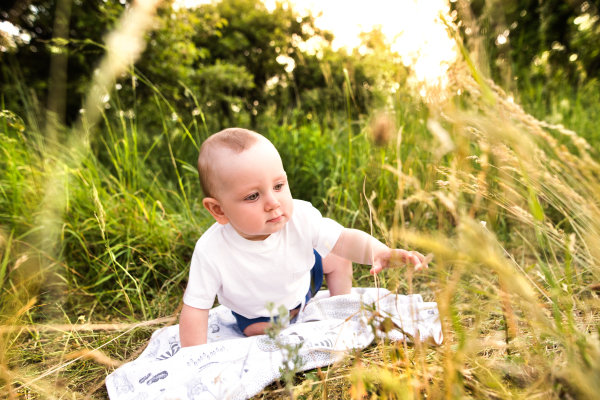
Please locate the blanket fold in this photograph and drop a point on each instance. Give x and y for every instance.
(233, 366)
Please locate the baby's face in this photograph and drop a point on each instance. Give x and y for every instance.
(253, 191)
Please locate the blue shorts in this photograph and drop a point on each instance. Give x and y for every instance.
(316, 281)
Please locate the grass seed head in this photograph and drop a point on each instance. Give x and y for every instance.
(382, 129)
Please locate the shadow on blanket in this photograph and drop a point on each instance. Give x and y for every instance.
(233, 366)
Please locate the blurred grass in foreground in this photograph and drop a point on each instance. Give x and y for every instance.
(505, 203)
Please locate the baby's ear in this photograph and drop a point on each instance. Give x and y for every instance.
(214, 208)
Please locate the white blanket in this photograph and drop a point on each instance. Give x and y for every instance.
(232, 366)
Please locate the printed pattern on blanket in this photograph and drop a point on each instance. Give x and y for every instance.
(233, 366)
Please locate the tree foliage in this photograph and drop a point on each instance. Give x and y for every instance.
(550, 41)
(235, 60)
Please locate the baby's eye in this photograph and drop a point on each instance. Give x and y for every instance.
(253, 196)
(279, 186)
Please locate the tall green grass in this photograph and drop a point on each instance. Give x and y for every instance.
(576, 107)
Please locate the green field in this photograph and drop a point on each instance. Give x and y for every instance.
(99, 218)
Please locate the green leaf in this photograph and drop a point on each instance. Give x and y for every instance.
(535, 206)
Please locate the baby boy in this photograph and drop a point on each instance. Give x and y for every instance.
(266, 246)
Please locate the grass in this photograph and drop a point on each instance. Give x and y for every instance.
(99, 231)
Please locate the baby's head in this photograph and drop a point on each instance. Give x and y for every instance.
(244, 183)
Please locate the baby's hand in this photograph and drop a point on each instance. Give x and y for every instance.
(396, 258)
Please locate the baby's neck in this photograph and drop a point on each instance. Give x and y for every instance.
(254, 238)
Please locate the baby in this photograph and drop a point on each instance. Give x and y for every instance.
(265, 246)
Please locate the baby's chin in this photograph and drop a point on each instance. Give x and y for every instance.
(269, 229)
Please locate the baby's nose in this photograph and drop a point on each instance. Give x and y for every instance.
(272, 203)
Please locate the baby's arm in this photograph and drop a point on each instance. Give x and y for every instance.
(193, 326)
(362, 248)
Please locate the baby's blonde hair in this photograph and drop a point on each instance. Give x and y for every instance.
(234, 139)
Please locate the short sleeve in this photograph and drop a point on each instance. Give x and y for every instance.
(325, 232)
(203, 283)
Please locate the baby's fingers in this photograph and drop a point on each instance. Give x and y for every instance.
(411, 257)
(377, 267)
(420, 261)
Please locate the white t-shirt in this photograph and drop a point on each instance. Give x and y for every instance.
(246, 274)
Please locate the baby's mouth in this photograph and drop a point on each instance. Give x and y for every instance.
(276, 219)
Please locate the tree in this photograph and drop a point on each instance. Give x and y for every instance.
(232, 60)
(536, 39)
(262, 42)
(27, 62)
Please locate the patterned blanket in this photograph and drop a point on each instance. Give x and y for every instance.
(232, 366)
